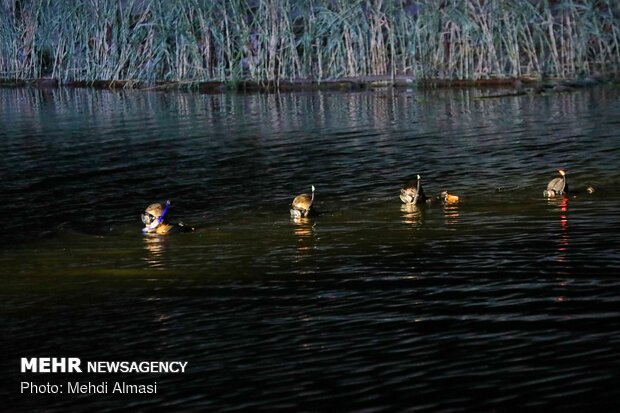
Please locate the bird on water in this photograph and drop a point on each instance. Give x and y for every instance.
(302, 204)
(412, 193)
(557, 186)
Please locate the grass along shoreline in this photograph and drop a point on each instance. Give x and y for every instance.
(531, 85)
(270, 44)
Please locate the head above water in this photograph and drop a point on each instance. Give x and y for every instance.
(154, 215)
(412, 192)
(155, 209)
(301, 205)
(557, 186)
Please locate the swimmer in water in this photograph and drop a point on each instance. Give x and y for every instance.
(413, 193)
(301, 206)
(557, 187)
(155, 221)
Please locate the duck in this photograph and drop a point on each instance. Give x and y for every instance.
(413, 193)
(557, 186)
(302, 205)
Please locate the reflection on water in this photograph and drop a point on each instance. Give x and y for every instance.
(451, 214)
(561, 208)
(155, 246)
(412, 215)
(504, 300)
(563, 244)
(304, 232)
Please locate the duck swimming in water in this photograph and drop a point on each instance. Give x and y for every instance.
(302, 204)
(155, 221)
(413, 193)
(557, 186)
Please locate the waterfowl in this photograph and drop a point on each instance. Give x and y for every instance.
(301, 205)
(557, 186)
(412, 193)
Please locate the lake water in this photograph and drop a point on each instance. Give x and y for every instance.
(505, 300)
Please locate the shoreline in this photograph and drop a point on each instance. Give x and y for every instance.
(302, 85)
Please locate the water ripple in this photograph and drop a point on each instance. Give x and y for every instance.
(503, 300)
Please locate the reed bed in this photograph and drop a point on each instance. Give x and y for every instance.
(149, 41)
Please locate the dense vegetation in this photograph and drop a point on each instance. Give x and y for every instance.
(227, 40)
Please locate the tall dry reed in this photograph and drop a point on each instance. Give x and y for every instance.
(272, 40)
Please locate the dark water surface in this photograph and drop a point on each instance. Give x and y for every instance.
(503, 301)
